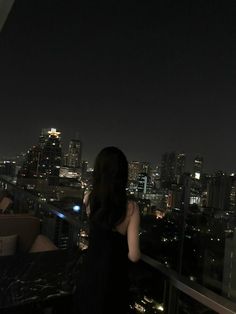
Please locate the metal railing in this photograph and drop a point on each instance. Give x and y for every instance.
(27, 202)
(176, 282)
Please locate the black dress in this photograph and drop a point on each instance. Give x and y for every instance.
(103, 281)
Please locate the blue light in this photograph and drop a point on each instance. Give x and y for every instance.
(61, 215)
(76, 208)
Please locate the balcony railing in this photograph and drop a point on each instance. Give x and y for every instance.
(175, 283)
(155, 287)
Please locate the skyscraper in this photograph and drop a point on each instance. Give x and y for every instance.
(180, 164)
(44, 160)
(31, 163)
(84, 169)
(144, 184)
(50, 161)
(135, 167)
(219, 190)
(74, 154)
(168, 169)
(197, 167)
(145, 167)
(43, 136)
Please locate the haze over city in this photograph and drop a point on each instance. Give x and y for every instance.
(147, 78)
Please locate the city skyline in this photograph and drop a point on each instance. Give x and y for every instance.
(148, 78)
(189, 162)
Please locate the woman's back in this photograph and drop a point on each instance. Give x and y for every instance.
(114, 224)
(103, 285)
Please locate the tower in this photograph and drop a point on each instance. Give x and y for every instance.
(168, 169)
(197, 167)
(50, 161)
(219, 191)
(180, 164)
(135, 168)
(74, 154)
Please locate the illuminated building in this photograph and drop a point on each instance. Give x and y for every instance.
(229, 275)
(44, 160)
(50, 161)
(180, 165)
(8, 168)
(134, 170)
(144, 185)
(66, 172)
(31, 164)
(197, 167)
(155, 177)
(145, 167)
(233, 194)
(74, 154)
(218, 191)
(175, 197)
(137, 167)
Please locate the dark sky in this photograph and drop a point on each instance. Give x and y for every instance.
(149, 77)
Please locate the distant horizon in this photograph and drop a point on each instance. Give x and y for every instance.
(65, 144)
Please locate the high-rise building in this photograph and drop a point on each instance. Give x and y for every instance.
(144, 184)
(50, 161)
(8, 168)
(197, 167)
(65, 160)
(145, 167)
(233, 194)
(180, 164)
(219, 190)
(44, 136)
(44, 160)
(84, 169)
(31, 164)
(74, 154)
(155, 177)
(229, 266)
(168, 169)
(135, 167)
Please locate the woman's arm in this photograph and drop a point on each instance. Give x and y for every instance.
(133, 234)
(86, 203)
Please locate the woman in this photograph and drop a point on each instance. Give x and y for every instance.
(113, 239)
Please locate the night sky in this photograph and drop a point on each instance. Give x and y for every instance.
(147, 77)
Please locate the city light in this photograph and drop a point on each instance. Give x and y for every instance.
(157, 80)
(61, 215)
(160, 308)
(54, 133)
(76, 208)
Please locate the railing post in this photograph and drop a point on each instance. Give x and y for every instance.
(172, 300)
(165, 296)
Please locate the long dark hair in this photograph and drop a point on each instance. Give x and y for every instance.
(108, 200)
